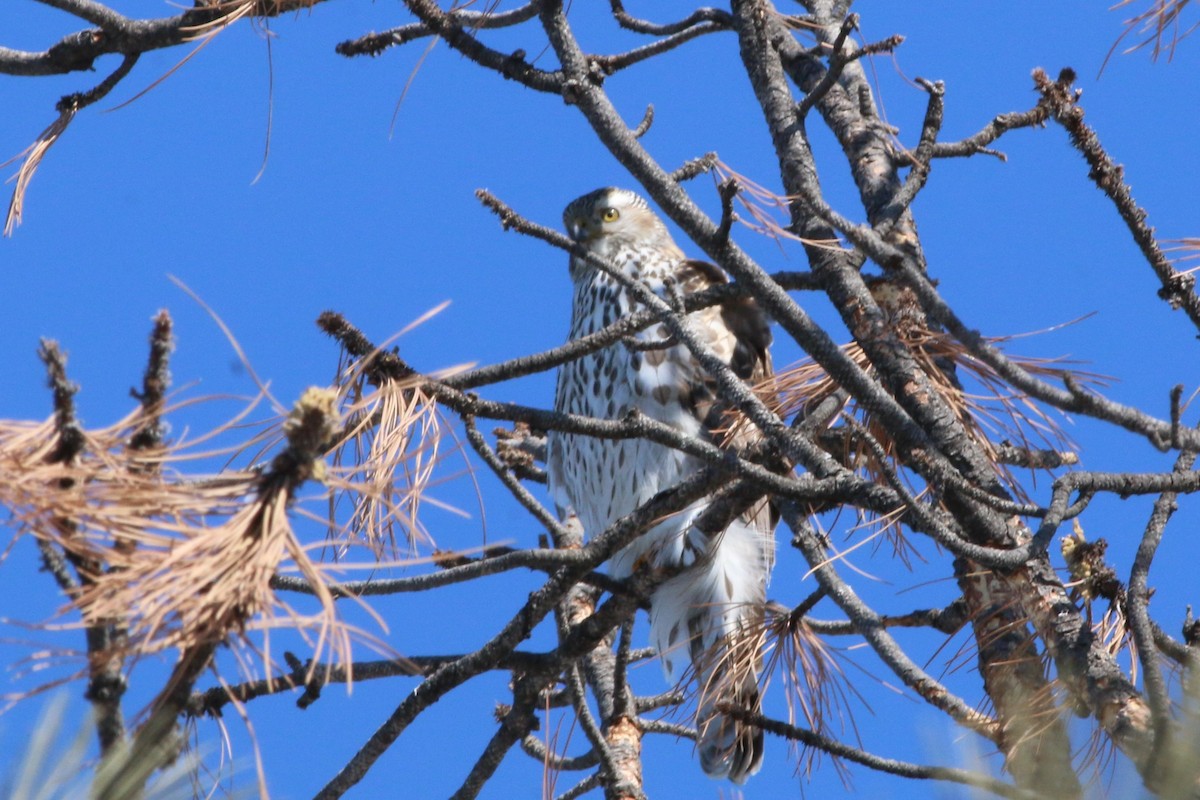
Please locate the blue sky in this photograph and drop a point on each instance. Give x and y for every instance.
(379, 222)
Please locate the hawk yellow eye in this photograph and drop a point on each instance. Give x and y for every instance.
(610, 215)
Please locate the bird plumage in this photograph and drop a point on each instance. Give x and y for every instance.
(696, 615)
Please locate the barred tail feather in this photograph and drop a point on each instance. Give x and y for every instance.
(703, 620)
(729, 748)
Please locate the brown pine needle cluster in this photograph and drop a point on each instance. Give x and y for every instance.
(382, 464)
(1159, 25)
(185, 563)
(1188, 249)
(31, 157)
(815, 687)
(997, 416)
(781, 645)
(1009, 426)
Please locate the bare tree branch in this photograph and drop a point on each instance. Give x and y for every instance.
(889, 437)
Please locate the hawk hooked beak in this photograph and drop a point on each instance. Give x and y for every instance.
(581, 230)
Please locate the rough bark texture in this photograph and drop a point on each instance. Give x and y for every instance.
(886, 435)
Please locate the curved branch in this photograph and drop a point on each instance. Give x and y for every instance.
(116, 33)
(613, 63)
(715, 16)
(1157, 696)
(375, 43)
(871, 627)
(495, 561)
(537, 750)
(515, 726)
(891, 766)
(505, 476)
(513, 66)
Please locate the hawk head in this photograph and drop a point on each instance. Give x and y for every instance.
(609, 218)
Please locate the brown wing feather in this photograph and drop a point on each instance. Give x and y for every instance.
(748, 352)
(750, 359)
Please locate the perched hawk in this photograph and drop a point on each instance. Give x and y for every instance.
(694, 614)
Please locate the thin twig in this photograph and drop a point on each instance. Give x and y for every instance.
(1178, 288)
(1138, 617)
(713, 15)
(891, 766)
(837, 62)
(373, 44)
(522, 495)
